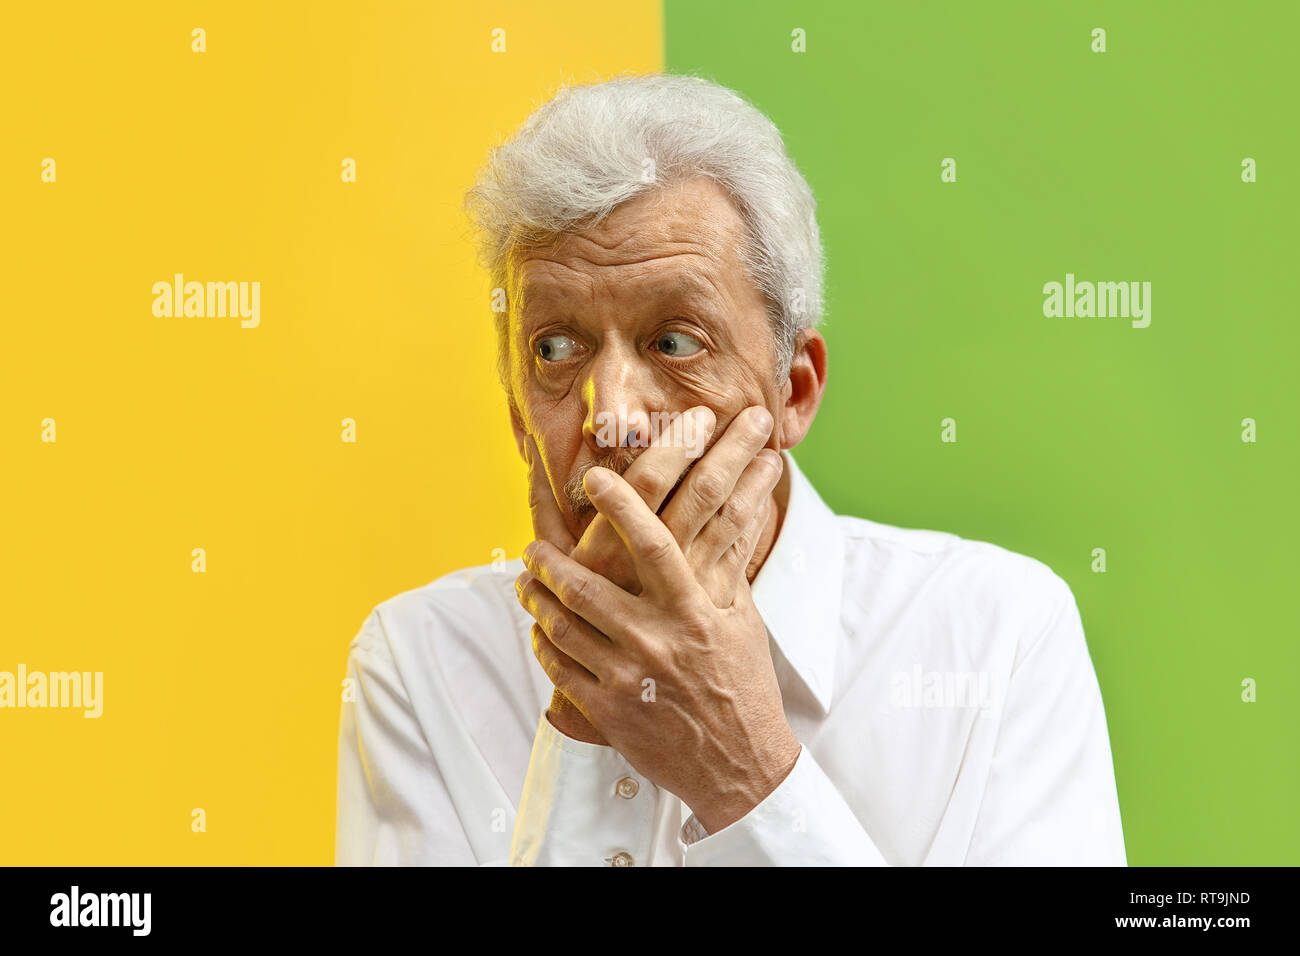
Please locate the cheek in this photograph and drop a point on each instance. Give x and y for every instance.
(726, 387)
(559, 449)
(549, 413)
(550, 396)
(557, 430)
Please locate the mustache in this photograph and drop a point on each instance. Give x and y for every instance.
(618, 463)
(618, 460)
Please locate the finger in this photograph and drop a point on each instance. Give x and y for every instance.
(656, 471)
(733, 565)
(569, 677)
(743, 602)
(711, 481)
(720, 533)
(660, 565)
(548, 521)
(593, 598)
(568, 632)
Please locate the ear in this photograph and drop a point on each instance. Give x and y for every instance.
(803, 390)
(517, 426)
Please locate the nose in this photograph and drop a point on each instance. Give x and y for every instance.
(618, 394)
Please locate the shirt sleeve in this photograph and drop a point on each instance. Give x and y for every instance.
(394, 808)
(805, 821)
(1050, 798)
(582, 805)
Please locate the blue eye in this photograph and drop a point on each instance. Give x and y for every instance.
(555, 348)
(678, 344)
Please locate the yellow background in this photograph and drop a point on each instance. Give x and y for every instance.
(222, 689)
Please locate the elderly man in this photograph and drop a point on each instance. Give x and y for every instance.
(698, 662)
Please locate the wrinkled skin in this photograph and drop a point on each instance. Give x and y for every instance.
(651, 312)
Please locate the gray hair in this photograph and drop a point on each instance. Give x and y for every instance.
(585, 151)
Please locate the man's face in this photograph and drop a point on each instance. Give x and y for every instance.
(648, 314)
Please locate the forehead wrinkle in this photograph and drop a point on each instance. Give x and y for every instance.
(640, 247)
(533, 293)
(711, 236)
(691, 285)
(695, 216)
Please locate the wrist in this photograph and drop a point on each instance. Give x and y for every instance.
(732, 801)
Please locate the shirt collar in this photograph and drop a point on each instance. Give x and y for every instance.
(799, 587)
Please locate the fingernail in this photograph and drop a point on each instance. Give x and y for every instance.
(596, 481)
(763, 420)
(530, 551)
(704, 416)
(521, 581)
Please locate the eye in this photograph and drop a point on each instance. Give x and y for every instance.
(678, 344)
(555, 348)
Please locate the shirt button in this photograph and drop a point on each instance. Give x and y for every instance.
(627, 788)
(621, 859)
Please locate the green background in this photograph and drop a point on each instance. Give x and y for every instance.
(1080, 433)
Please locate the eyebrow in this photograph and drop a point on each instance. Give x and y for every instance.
(687, 287)
(532, 298)
(682, 288)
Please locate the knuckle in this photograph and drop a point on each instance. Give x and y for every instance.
(657, 660)
(748, 536)
(528, 593)
(775, 467)
(646, 482)
(708, 487)
(659, 548)
(560, 628)
(696, 623)
(574, 592)
(636, 634)
(733, 515)
(624, 682)
(722, 594)
(541, 650)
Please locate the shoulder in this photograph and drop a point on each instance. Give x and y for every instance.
(962, 583)
(960, 561)
(471, 605)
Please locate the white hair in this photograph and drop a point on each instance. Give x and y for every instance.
(585, 151)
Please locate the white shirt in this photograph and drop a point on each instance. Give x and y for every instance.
(941, 688)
